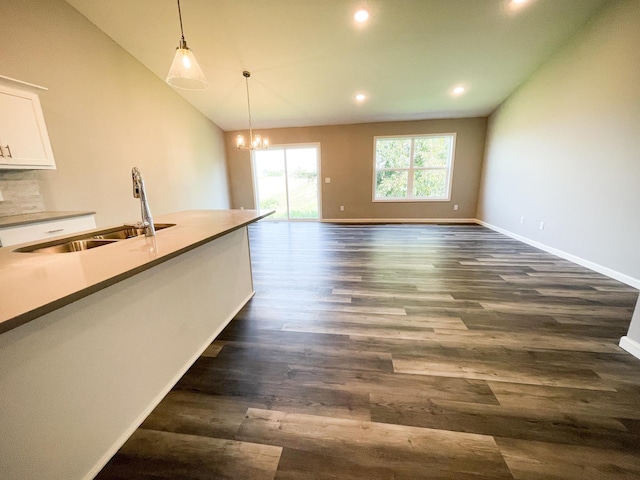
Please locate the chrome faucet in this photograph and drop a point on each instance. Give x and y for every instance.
(140, 192)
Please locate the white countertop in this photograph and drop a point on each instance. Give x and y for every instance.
(32, 284)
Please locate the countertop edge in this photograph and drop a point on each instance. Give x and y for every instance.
(38, 217)
(26, 317)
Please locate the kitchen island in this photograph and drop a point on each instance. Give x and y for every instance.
(93, 340)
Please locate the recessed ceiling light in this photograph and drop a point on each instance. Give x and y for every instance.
(458, 90)
(361, 97)
(516, 5)
(361, 16)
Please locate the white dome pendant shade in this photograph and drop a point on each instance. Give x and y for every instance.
(185, 72)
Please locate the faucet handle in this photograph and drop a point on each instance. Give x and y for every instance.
(136, 180)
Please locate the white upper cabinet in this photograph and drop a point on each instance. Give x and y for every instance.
(24, 141)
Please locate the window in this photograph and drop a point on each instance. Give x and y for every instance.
(414, 169)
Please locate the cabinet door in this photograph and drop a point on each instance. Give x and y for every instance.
(24, 140)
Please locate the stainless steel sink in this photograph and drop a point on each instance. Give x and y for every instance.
(72, 246)
(87, 241)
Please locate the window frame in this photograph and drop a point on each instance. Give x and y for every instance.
(411, 169)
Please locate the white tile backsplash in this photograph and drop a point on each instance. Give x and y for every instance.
(21, 193)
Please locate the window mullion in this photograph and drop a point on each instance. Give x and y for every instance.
(410, 170)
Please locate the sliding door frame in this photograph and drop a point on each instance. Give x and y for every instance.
(285, 147)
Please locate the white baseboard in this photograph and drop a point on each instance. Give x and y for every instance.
(631, 346)
(621, 277)
(399, 220)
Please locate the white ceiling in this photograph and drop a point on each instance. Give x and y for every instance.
(308, 58)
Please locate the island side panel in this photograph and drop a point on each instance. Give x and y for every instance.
(76, 382)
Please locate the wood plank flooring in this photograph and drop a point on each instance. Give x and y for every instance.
(404, 352)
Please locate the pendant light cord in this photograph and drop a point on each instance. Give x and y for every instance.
(180, 17)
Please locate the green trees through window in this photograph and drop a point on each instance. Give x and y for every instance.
(415, 168)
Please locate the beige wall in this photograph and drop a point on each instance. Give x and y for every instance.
(347, 158)
(565, 148)
(106, 113)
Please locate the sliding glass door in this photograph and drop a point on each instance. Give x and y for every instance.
(286, 180)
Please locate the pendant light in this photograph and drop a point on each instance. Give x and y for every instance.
(257, 143)
(185, 72)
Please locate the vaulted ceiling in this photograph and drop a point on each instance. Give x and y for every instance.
(309, 58)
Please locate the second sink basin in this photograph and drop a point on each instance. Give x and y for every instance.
(127, 231)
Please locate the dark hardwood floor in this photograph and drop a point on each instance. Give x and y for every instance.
(404, 352)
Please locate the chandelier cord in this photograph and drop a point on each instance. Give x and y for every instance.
(246, 81)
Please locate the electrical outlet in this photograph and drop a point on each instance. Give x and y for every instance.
(521, 219)
(541, 226)
(327, 180)
(342, 208)
(455, 207)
